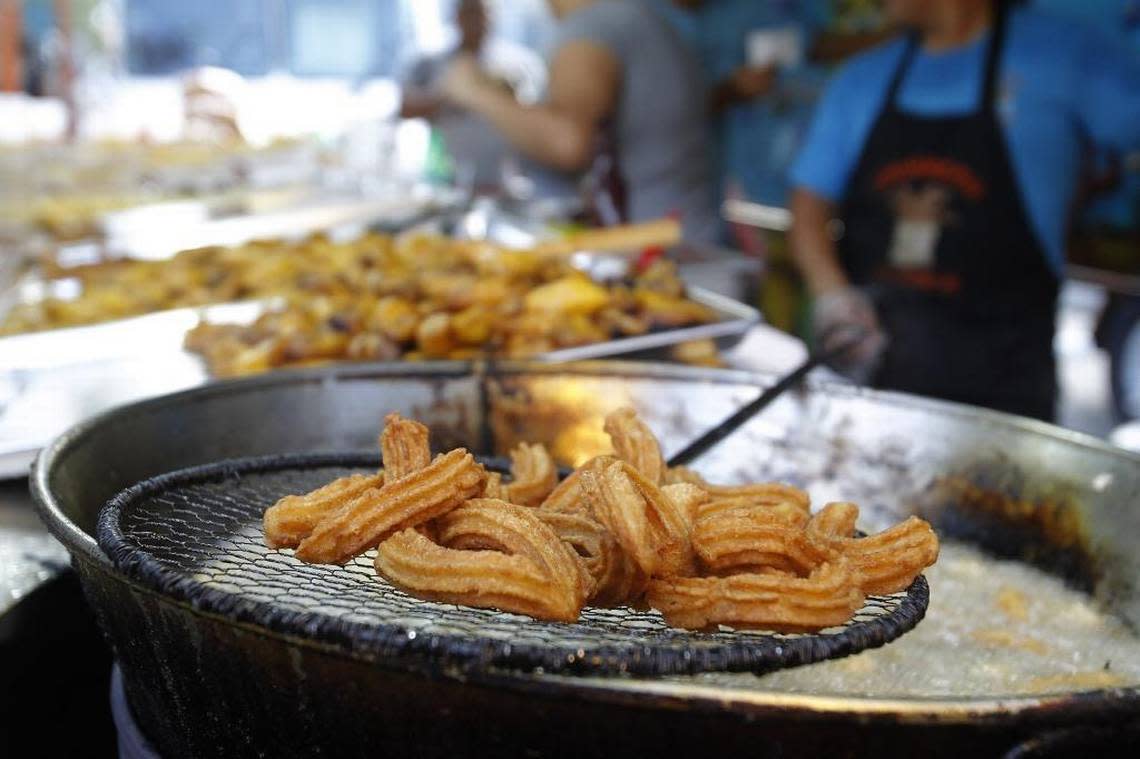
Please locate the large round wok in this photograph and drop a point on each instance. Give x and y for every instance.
(202, 684)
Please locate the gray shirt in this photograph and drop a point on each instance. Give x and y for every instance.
(659, 130)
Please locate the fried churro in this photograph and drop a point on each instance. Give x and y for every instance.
(834, 520)
(889, 561)
(533, 475)
(495, 525)
(753, 539)
(617, 580)
(635, 444)
(825, 598)
(644, 521)
(439, 487)
(486, 579)
(619, 530)
(294, 517)
(404, 446)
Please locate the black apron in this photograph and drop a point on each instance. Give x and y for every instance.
(937, 232)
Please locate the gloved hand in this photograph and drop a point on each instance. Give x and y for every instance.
(839, 314)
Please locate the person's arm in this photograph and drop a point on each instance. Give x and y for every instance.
(839, 310)
(561, 132)
(813, 249)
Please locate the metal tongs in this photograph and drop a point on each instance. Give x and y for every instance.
(852, 337)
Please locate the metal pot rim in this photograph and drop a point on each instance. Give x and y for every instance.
(921, 710)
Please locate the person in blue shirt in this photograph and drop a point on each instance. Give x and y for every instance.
(952, 157)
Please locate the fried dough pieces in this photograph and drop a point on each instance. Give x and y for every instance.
(619, 530)
(441, 529)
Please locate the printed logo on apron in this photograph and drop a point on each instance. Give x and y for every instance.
(922, 193)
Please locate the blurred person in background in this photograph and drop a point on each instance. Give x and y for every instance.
(755, 114)
(480, 155)
(952, 158)
(623, 89)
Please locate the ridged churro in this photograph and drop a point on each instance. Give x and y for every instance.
(635, 444)
(834, 520)
(486, 579)
(294, 517)
(619, 530)
(439, 487)
(617, 580)
(404, 446)
(644, 521)
(533, 475)
(494, 525)
(889, 561)
(825, 598)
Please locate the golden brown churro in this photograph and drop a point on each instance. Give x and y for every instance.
(533, 475)
(494, 525)
(635, 444)
(487, 579)
(889, 561)
(376, 513)
(825, 598)
(648, 525)
(617, 531)
(294, 517)
(728, 541)
(834, 520)
(404, 446)
(617, 580)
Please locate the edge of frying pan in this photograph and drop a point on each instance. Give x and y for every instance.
(103, 584)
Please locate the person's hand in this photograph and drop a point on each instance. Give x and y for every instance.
(462, 81)
(750, 82)
(843, 314)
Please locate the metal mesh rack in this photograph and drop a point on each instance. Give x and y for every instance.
(196, 534)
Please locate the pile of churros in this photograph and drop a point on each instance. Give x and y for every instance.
(621, 530)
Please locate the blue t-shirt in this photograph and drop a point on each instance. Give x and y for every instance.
(1062, 89)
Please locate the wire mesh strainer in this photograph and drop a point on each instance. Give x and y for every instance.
(196, 535)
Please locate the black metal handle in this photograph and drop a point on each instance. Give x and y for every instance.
(718, 433)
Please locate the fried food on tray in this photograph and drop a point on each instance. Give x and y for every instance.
(609, 534)
(376, 298)
(404, 446)
(376, 513)
(489, 579)
(294, 517)
(791, 514)
(533, 475)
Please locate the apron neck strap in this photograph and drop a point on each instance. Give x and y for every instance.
(993, 55)
(992, 62)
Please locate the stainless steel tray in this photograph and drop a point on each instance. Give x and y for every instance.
(52, 380)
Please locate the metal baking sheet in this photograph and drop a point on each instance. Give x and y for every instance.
(52, 380)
